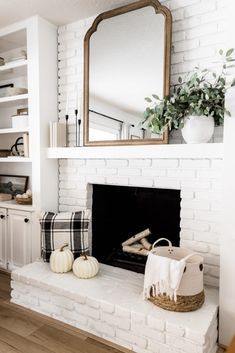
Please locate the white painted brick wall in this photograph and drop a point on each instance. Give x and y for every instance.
(198, 32)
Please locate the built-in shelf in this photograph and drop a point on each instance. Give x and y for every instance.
(197, 151)
(14, 131)
(15, 159)
(14, 205)
(13, 100)
(13, 69)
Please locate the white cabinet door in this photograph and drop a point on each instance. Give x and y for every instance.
(19, 238)
(3, 232)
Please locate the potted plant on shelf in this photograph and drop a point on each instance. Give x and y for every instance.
(195, 105)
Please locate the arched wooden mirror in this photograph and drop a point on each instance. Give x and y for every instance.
(127, 58)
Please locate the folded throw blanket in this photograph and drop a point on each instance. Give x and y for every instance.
(162, 275)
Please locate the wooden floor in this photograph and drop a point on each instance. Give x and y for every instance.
(23, 331)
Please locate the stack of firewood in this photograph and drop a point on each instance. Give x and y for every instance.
(138, 244)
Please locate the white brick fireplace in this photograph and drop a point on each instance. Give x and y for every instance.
(198, 31)
(198, 179)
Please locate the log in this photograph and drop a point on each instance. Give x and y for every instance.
(146, 244)
(135, 250)
(137, 237)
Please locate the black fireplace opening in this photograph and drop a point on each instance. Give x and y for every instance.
(119, 212)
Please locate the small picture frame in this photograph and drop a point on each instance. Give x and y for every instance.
(13, 184)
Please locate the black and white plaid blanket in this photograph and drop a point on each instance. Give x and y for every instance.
(62, 228)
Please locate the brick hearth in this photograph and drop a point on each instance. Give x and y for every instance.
(111, 306)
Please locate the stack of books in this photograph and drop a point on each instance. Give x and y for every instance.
(57, 134)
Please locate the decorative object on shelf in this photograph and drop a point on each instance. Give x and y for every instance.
(15, 91)
(2, 61)
(22, 111)
(24, 199)
(4, 88)
(201, 94)
(174, 278)
(76, 125)
(77, 128)
(85, 266)
(22, 56)
(111, 110)
(20, 121)
(18, 148)
(198, 129)
(13, 184)
(57, 134)
(9, 90)
(66, 129)
(64, 227)
(26, 144)
(5, 197)
(61, 260)
(5, 153)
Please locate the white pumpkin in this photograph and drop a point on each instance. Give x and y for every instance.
(85, 266)
(61, 260)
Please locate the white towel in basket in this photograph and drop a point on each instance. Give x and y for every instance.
(162, 275)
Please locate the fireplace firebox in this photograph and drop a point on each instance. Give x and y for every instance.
(118, 212)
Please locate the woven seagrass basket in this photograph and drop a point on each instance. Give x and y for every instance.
(190, 295)
(4, 153)
(24, 201)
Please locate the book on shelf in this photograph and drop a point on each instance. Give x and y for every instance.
(26, 144)
(57, 134)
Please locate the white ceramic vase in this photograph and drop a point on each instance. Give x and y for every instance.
(198, 129)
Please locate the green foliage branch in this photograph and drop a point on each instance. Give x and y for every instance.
(202, 93)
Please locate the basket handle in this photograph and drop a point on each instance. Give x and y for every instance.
(160, 239)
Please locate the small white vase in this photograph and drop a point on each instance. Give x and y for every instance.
(198, 129)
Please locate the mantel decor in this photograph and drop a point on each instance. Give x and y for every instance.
(197, 102)
(118, 70)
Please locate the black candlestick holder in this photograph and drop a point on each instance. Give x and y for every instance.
(66, 129)
(76, 125)
(79, 129)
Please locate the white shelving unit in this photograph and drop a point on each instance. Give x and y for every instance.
(14, 131)
(16, 160)
(38, 38)
(13, 66)
(13, 100)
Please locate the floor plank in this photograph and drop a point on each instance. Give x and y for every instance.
(24, 331)
(14, 321)
(20, 344)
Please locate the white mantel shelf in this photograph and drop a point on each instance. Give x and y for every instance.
(197, 151)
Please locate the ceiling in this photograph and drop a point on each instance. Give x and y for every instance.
(59, 12)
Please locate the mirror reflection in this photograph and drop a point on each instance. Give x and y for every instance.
(126, 64)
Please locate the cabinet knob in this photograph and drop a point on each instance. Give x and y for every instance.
(2, 216)
(26, 220)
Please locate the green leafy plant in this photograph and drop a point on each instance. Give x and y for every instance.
(201, 93)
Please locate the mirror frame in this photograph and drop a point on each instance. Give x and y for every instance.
(167, 65)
